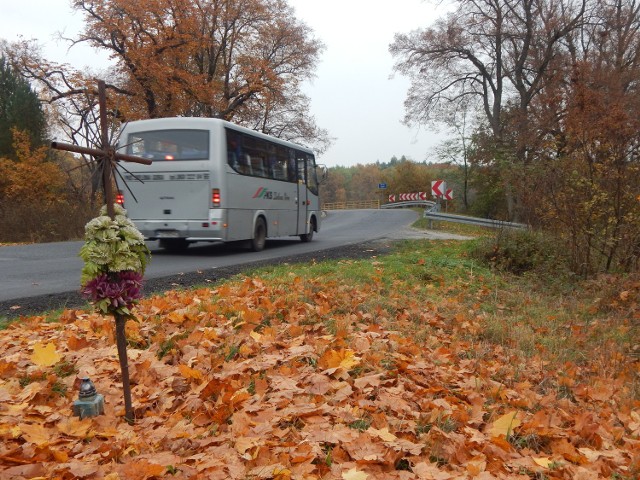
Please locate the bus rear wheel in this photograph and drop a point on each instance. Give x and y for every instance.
(259, 235)
(307, 237)
(174, 245)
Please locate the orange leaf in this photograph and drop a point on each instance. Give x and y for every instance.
(60, 456)
(141, 470)
(35, 433)
(252, 316)
(476, 465)
(243, 444)
(567, 450)
(190, 373)
(80, 469)
(74, 427)
(339, 359)
(384, 434)
(76, 343)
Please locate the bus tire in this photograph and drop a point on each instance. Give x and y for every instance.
(259, 235)
(176, 245)
(307, 237)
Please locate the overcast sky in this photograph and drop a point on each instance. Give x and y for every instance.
(354, 95)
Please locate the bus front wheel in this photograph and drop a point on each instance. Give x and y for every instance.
(307, 237)
(259, 235)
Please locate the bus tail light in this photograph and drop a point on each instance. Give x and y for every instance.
(215, 197)
(120, 198)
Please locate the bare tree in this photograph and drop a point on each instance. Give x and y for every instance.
(457, 149)
(495, 53)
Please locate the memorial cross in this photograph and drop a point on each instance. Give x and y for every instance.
(107, 156)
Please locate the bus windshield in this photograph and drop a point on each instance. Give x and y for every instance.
(170, 145)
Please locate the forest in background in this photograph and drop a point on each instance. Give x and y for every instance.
(361, 183)
(540, 97)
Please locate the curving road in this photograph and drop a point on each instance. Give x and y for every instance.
(35, 273)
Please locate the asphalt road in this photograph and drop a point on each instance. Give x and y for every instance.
(43, 276)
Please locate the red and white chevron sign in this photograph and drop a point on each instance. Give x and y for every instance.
(407, 197)
(438, 187)
(449, 194)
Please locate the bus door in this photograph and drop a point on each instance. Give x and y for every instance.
(301, 162)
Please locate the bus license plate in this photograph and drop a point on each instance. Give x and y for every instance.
(167, 234)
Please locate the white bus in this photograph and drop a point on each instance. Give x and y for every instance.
(214, 181)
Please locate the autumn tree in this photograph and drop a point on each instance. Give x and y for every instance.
(32, 193)
(364, 183)
(456, 149)
(334, 188)
(360, 183)
(240, 60)
(407, 176)
(586, 187)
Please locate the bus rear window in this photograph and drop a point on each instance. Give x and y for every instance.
(170, 145)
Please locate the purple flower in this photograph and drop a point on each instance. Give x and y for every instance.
(121, 289)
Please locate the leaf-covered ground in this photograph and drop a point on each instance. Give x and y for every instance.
(322, 377)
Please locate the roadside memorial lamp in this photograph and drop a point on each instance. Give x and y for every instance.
(90, 403)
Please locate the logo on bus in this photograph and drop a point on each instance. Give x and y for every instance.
(265, 193)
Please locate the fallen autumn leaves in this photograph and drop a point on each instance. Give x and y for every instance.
(269, 380)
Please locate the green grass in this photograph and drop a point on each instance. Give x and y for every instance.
(525, 314)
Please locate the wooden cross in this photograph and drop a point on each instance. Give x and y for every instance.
(106, 155)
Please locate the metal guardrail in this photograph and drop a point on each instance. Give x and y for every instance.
(410, 203)
(482, 222)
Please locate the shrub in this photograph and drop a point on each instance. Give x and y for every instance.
(522, 251)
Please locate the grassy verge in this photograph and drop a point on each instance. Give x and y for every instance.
(440, 283)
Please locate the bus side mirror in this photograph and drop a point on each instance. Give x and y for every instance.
(322, 173)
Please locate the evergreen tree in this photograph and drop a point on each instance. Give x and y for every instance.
(20, 108)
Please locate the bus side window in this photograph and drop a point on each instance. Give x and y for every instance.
(245, 165)
(234, 150)
(291, 167)
(280, 170)
(301, 161)
(270, 164)
(232, 160)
